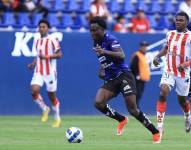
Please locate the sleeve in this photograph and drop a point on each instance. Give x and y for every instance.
(55, 44)
(134, 65)
(115, 45)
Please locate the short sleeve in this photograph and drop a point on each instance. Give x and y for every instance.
(115, 45)
(55, 44)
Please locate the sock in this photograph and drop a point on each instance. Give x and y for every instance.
(108, 111)
(56, 109)
(38, 99)
(186, 109)
(161, 109)
(146, 122)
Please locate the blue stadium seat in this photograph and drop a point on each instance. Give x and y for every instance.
(114, 6)
(24, 20)
(168, 7)
(128, 7)
(47, 3)
(156, 7)
(80, 21)
(67, 21)
(85, 5)
(143, 5)
(36, 19)
(72, 5)
(53, 19)
(161, 23)
(9, 19)
(152, 21)
(59, 5)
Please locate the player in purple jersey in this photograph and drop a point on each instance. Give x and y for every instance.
(117, 78)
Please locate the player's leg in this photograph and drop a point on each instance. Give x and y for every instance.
(167, 81)
(102, 97)
(51, 85)
(128, 90)
(182, 89)
(140, 89)
(36, 84)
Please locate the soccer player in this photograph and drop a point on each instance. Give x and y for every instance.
(177, 50)
(48, 50)
(117, 78)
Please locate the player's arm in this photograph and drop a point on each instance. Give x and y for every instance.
(55, 55)
(31, 65)
(117, 52)
(163, 52)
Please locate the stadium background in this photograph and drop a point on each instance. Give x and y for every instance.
(77, 70)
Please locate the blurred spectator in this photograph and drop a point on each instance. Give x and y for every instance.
(99, 8)
(5, 5)
(33, 7)
(140, 24)
(121, 25)
(140, 69)
(186, 7)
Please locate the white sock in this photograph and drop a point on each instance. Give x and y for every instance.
(160, 119)
(56, 110)
(186, 115)
(41, 103)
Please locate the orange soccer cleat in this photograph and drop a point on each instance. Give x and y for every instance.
(156, 138)
(121, 126)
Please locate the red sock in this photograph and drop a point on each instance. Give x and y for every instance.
(161, 106)
(186, 108)
(55, 102)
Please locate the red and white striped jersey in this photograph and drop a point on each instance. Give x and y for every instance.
(46, 46)
(179, 51)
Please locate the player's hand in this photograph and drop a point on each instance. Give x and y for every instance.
(31, 66)
(99, 50)
(43, 56)
(156, 61)
(181, 67)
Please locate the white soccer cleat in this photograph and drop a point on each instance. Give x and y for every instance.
(187, 123)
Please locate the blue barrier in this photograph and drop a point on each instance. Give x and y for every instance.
(77, 74)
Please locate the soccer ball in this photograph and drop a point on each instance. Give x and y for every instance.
(74, 135)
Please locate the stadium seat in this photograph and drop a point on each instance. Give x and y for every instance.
(67, 21)
(53, 19)
(168, 7)
(152, 21)
(114, 6)
(161, 23)
(9, 19)
(59, 5)
(24, 20)
(142, 4)
(36, 19)
(156, 7)
(85, 6)
(72, 5)
(81, 21)
(128, 7)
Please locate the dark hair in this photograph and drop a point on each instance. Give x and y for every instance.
(182, 13)
(100, 21)
(44, 21)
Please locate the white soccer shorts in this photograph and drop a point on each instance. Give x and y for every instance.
(182, 84)
(49, 80)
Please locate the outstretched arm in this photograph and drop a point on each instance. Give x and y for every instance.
(163, 52)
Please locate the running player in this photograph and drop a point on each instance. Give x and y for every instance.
(48, 50)
(117, 78)
(177, 50)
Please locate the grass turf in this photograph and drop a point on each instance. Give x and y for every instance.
(28, 133)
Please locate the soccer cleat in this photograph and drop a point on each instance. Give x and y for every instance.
(187, 123)
(121, 126)
(156, 138)
(44, 117)
(56, 123)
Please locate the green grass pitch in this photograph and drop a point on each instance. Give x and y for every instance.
(28, 133)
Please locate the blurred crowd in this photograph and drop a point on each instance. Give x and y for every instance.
(138, 22)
